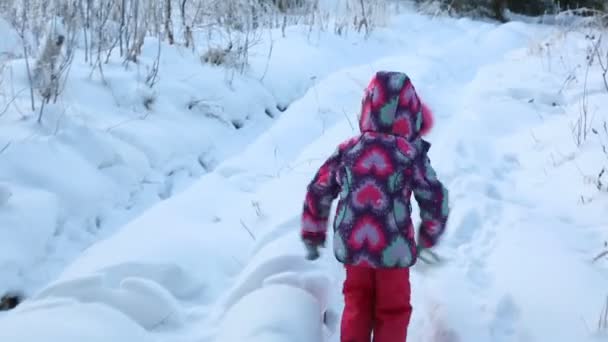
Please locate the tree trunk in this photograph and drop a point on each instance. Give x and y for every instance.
(121, 32)
(499, 7)
(168, 23)
(185, 28)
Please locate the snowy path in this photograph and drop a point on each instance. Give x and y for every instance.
(222, 261)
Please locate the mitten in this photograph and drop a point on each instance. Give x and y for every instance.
(423, 248)
(312, 251)
(427, 255)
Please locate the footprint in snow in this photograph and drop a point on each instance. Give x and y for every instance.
(504, 325)
(230, 171)
(438, 329)
(461, 150)
(478, 275)
(508, 164)
(466, 229)
(492, 192)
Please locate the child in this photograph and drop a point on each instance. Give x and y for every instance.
(375, 174)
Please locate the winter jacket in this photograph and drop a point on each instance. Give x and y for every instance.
(374, 175)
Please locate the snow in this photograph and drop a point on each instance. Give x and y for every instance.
(56, 319)
(193, 224)
(282, 324)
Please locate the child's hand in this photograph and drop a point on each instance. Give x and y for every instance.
(312, 251)
(428, 256)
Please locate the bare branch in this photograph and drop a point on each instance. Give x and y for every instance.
(10, 102)
(603, 64)
(248, 230)
(8, 144)
(153, 74)
(21, 33)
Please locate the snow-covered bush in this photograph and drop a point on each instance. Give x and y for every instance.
(473, 8)
(51, 64)
(104, 27)
(496, 8)
(597, 63)
(233, 27)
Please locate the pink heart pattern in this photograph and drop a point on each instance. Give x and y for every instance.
(405, 148)
(370, 195)
(402, 126)
(375, 161)
(363, 260)
(368, 233)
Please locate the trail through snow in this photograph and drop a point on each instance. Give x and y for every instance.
(222, 260)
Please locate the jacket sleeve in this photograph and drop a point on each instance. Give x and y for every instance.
(321, 192)
(432, 198)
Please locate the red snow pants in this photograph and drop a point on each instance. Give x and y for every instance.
(378, 301)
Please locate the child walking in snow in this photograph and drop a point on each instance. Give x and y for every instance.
(374, 175)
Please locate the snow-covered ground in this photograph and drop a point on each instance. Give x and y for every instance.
(221, 259)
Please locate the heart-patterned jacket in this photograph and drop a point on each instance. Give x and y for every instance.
(374, 176)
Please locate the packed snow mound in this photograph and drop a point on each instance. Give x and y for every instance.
(284, 316)
(64, 320)
(143, 301)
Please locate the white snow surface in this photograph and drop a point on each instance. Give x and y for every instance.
(220, 258)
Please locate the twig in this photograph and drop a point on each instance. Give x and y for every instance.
(601, 255)
(26, 55)
(268, 57)
(586, 325)
(580, 129)
(119, 124)
(9, 103)
(348, 119)
(605, 315)
(8, 144)
(569, 79)
(103, 19)
(112, 47)
(258, 209)
(599, 180)
(247, 229)
(601, 62)
(41, 112)
(152, 77)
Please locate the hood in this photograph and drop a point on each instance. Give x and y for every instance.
(390, 105)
